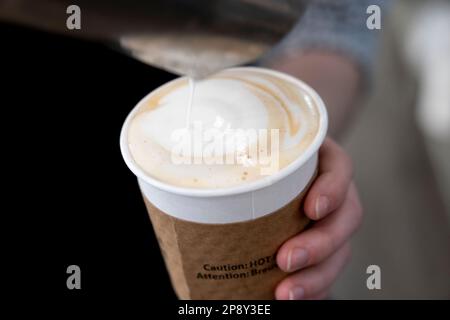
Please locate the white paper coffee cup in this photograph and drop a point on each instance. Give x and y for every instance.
(225, 206)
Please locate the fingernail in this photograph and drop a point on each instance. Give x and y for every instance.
(322, 205)
(297, 258)
(296, 293)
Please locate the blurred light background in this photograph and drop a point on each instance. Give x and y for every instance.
(400, 144)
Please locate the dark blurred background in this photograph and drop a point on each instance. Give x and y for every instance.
(64, 102)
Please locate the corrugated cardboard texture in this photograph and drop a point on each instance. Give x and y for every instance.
(226, 261)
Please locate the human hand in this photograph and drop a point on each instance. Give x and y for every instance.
(316, 256)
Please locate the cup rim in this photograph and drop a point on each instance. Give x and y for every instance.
(248, 186)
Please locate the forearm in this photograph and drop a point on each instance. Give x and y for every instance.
(331, 49)
(335, 77)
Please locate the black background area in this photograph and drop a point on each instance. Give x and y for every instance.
(75, 200)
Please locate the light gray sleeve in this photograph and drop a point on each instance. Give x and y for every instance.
(338, 26)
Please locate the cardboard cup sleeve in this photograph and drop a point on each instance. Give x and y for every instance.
(214, 257)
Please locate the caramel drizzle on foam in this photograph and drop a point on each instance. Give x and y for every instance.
(269, 97)
(263, 92)
(275, 103)
(280, 98)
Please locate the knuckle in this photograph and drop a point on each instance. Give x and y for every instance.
(333, 198)
(336, 192)
(309, 290)
(315, 285)
(324, 244)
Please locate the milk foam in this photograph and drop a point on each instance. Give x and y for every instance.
(246, 99)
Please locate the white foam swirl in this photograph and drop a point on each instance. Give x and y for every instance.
(243, 99)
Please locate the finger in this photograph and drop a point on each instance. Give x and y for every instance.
(325, 237)
(313, 281)
(329, 189)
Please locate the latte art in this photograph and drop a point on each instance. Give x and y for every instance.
(241, 122)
